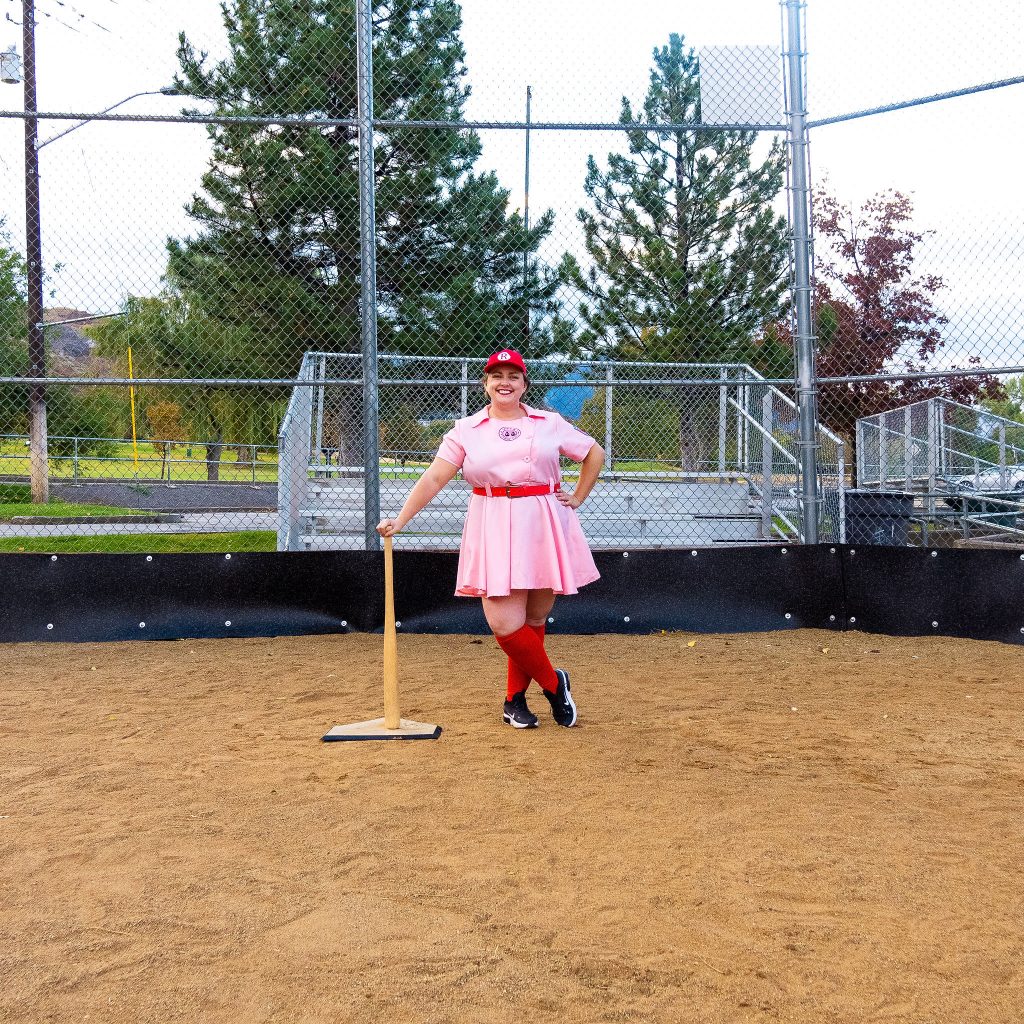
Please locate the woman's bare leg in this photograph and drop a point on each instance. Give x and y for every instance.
(505, 615)
(538, 606)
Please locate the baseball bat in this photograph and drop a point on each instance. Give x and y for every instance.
(392, 716)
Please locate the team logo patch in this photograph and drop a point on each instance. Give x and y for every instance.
(504, 357)
(509, 433)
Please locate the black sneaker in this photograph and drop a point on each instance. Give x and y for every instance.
(517, 714)
(563, 707)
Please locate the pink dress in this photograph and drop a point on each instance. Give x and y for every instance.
(529, 543)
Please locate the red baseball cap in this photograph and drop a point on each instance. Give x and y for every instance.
(507, 357)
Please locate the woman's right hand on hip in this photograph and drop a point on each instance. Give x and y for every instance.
(387, 527)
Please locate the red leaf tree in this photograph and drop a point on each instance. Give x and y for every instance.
(874, 315)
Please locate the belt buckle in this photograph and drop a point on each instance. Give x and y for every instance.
(508, 488)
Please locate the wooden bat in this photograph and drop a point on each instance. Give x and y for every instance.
(392, 726)
(392, 715)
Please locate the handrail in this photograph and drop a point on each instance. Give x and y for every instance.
(743, 412)
(785, 398)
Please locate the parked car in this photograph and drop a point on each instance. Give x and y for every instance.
(988, 480)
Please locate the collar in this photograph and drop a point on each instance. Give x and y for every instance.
(483, 415)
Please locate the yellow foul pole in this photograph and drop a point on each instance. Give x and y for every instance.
(131, 395)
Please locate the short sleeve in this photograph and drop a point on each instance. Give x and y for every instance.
(573, 442)
(451, 449)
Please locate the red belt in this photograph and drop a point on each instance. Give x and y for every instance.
(516, 491)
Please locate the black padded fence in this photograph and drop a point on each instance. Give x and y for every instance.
(891, 590)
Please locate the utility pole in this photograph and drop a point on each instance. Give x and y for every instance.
(39, 460)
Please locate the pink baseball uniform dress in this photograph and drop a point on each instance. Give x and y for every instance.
(527, 543)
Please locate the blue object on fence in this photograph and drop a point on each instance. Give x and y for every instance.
(569, 402)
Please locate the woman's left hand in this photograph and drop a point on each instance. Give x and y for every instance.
(568, 500)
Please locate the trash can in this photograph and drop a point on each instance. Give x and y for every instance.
(878, 517)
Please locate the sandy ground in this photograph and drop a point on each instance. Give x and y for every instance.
(800, 826)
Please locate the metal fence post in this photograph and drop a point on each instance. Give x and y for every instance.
(883, 453)
(609, 375)
(464, 400)
(723, 416)
(908, 466)
(859, 453)
(767, 467)
(841, 471)
(321, 370)
(742, 454)
(368, 264)
(1002, 456)
(800, 221)
(933, 453)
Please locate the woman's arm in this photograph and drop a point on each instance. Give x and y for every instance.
(427, 488)
(590, 470)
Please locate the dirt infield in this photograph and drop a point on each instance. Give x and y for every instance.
(800, 826)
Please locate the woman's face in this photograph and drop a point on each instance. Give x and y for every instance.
(505, 386)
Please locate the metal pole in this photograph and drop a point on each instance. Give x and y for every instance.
(767, 468)
(609, 458)
(933, 453)
(39, 458)
(800, 219)
(723, 416)
(368, 263)
(908, 440)
(1002, 456)
(526, 217)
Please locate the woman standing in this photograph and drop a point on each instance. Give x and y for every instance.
(522, 543)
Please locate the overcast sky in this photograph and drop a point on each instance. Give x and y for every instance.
(113, 193)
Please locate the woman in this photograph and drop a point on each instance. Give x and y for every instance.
(522, 543)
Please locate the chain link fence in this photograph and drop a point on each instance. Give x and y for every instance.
(256, 299)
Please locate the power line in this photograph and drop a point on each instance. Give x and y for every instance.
(71, 7)
(75, 11)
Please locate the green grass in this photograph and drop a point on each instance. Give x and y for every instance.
(62, 509)
(147, 544)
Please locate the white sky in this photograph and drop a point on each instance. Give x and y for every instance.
(113, 193)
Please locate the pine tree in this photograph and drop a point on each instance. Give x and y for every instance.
(278, 250)
(687, 256)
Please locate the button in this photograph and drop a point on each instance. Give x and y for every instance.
(526, 458)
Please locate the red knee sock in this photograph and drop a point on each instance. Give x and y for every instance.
(518, 680)
(526, 649)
